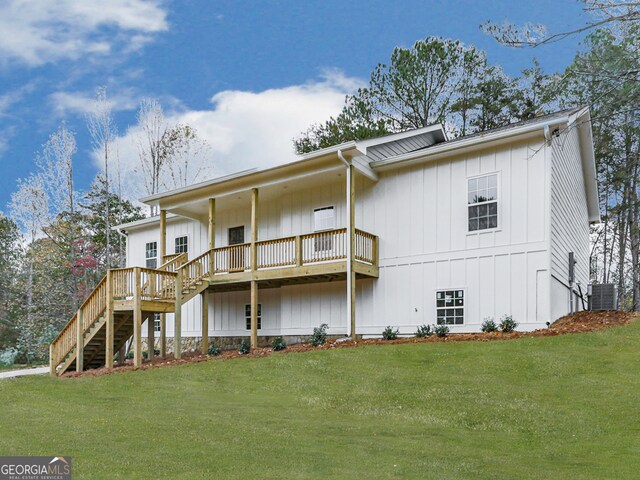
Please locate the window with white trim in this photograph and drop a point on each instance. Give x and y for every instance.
(482, 202)
(323, 219)
(182, 244)
(247, 314)
(450, 307)
(156, 322)
(151, 254)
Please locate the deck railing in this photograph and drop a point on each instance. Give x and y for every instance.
(172, 262)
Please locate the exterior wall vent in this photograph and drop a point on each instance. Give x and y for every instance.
(603, 296)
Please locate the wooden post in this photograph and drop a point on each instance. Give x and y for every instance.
(79, 342)
(254, 267)
(52, 367)
(137, 320)
(163, 335)
(298, 250)
(150, 336)
(177, 322)
(108, 353)
(204, 344)
(254, 228)
(351, 235)
(163, 236)
(212, 234)
(254, 314)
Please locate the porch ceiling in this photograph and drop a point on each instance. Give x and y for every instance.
(198, 208)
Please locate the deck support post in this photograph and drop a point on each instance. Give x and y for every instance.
(204, 343)
(52, 367)
(163, 335)
(163, 252)
(109, 340)
(177, 316)
(254, 267)
(79, 341)
(298, 251)
(137, 320)
(351, 235)
(150, 336)
(254, 314)
(212, 232)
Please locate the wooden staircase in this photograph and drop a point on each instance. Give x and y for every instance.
(115, 301)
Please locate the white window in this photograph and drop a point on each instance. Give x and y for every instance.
(182, 244)
(323, 219)
(482, 202)
(151, 254)
(247, 314)
(156, 322)
(450, 307)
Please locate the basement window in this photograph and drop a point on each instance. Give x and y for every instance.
(151, 254)
(482, 202)
(156, 322)
(182, 244)
(450, 307)
(247, 314)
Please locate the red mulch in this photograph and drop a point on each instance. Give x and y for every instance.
(580, 322)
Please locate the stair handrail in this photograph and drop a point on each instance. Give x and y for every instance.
(174, 261)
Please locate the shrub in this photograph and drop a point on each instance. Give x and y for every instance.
(389, 333)
(424, 331)
(508, 324)
(278, 344)
(8, 356)
(319, 336)
(145, 354)
(129, 355)
(214, 349)
(489, 325)
(441, 330)
(244, 347)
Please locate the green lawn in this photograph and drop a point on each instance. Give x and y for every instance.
(555, 407)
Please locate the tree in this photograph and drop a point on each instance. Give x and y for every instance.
(165, 151)
(103, 135)
(10, 260)
(435, 81)
(614, 101)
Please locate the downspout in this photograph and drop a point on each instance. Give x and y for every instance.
(349, 229)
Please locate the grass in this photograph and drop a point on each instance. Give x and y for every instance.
(554, 407)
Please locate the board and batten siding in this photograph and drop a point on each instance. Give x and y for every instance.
(420, 215)
(569, 220)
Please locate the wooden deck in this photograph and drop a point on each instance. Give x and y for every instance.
(116, 309)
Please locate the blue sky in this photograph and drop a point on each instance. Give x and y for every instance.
(249, 75)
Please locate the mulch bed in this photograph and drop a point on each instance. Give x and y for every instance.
(580, 322)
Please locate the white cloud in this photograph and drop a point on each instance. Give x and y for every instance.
(250, 129)
(38, 32)
(83, 102)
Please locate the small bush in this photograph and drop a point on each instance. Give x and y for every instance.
(508, 324)
(389, 333)
(129, 355)
(489, 325)
(278, 344)
(441, 330)
(424, 331)
(319, 336)
(145, 354)
(8, 356)
(214, 349)
(244, 347)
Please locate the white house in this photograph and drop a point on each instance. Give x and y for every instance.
(402, 230)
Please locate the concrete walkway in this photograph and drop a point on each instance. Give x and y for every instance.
(24, 372)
